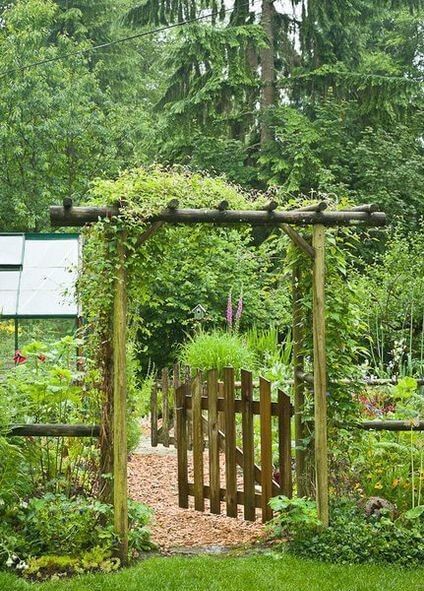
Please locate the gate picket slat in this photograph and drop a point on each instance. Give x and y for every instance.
(284, 444)
(214, 475)
(230, 443)
(154, 416)
(165, 408)
(182, 446)
(248, 445)
(199, 499)
(266, 447)
(175, 385)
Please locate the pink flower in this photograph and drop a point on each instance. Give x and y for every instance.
(229, 315)
(18, 358)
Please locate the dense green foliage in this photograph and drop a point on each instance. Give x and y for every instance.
(56, 527)
(350, 121)
(48, 485)
(352, 538)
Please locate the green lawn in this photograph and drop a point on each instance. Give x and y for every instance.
(253, 573)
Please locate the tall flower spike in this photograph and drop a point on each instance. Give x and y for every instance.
(239, 312)
(229, 315)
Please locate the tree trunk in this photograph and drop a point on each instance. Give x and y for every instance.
(267, 71)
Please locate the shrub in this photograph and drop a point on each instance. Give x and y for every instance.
(296, 517)
(351, 538)
(55, 525)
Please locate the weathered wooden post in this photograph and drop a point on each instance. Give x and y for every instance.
(120, 492)
(320, 373)
(298, 385)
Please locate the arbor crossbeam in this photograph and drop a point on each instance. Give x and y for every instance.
(80, 216)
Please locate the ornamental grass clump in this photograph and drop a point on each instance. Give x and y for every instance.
(216, 350)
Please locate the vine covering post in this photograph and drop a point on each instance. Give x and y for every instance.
(320, 374)
(298, 385)
(120, 493)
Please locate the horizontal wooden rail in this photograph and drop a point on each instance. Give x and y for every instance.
(222, 494)
(308, 378)
(240, 458)
(79, 216)
(53, 430)
(238, 405)
(391, 425)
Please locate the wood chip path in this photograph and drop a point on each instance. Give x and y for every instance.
(152, 478)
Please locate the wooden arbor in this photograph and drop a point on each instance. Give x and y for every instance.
(315, 216)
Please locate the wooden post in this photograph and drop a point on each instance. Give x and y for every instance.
(214, 474)
(230, 443)
(120, 491)
(248, 445)
(196, 399)
(320, 374)
(175, 385)
(284, 444)
(298, 385)
(181, 418)
(165, 408)
(154, 415)
(266, 447)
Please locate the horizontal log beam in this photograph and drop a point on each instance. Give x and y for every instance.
(80, 216)
(392, 425)
(308, 378)
(53, 430)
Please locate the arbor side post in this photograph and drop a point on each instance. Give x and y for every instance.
(298, 385)
(120, 492)
(320, 374)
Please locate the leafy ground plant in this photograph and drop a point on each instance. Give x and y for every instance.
(352, 537)
(57, 534)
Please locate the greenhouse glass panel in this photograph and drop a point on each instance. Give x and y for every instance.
(50, 253)
(11, 251)
(9, 280)
(45, 303)
(8, 303)
(45, 285)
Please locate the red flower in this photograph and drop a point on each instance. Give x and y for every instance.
(18, 358)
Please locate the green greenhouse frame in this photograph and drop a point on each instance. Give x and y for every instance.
(36, 270)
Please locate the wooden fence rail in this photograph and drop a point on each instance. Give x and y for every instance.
(53, 430)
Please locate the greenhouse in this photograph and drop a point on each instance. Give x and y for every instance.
(37, 289)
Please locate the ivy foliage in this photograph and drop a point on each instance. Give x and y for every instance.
(145, 191)
(177, 268)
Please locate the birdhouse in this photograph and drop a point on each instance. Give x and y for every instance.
(198, 312)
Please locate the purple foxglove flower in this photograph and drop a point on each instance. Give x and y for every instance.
(229, 315)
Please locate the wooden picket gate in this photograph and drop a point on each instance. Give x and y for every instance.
(162, 415)
(219, 420)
